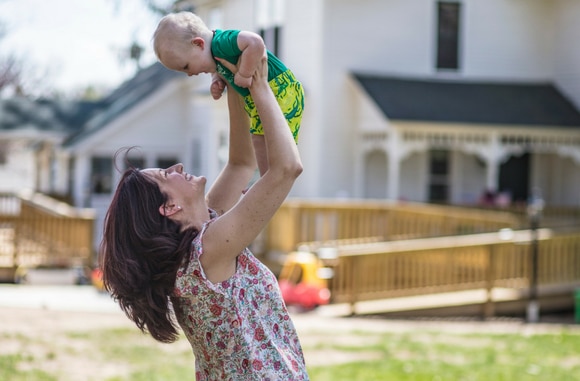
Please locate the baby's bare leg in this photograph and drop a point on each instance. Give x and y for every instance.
(261, 153)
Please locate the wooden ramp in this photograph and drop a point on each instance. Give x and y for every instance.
(481, 274)
(38, 231)
(460, 303)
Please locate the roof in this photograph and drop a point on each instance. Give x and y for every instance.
(538, 104)
(77, 119)
(45, 115)
(125, 97)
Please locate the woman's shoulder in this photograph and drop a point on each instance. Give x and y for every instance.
(196, 244)
(190, 271)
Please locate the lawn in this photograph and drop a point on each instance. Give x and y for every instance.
(432, 356)
(123, 353)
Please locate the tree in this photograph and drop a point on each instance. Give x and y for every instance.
(16, 77)
(10, 68)
(24, 77)
(10, 74)
(135, 50)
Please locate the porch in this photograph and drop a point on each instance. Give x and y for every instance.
(405, 259)
(393, 258)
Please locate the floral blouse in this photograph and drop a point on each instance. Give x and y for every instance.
(239, 329)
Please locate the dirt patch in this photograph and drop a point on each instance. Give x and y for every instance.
(51, 340)
(42, 341)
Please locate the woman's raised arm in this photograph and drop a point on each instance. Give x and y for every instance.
(241, 164)
(238, 227)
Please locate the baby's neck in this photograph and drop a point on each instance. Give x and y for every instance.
(208, 36)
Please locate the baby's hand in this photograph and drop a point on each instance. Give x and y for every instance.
(243, 81)
(217, 87)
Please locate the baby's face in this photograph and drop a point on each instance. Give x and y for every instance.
(190, 58)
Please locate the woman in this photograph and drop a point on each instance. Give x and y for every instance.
(169, 248)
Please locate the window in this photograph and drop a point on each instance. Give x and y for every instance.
(269, 19)
(271, 37)
(439, 176)
(166, 162)
(102, 173)
(137, 162)
(448, 35)
(4, 148)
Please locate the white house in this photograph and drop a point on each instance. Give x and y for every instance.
(373, 69)
(165, 116)
(428, 100)
(420, 100)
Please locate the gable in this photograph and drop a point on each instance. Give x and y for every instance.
(158, 124)
(145, 83)
(470, 102)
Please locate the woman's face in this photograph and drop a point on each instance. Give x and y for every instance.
(181, 188)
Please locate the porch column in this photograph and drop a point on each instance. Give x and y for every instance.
(493, 159)
(394, 154)
(82, 181)
(492, 174)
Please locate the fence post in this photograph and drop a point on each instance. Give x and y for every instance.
(489, 307)
(354, 285)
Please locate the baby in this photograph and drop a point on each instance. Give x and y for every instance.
(183, 42)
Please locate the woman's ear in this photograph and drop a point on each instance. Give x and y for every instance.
(169, 210)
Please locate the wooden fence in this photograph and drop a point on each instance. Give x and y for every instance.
(36, 230)
(386, 250)
(371, 271)
(300, 221)
(390, 250)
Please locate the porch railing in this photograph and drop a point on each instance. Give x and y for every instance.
(36, 230)
(322, 220)
(371, 271)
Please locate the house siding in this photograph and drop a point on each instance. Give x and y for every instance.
(566, 53)
(397, 37)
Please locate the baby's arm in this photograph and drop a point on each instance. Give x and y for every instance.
(217, 87)
(253, 50)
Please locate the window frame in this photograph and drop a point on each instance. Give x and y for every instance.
(448, 47)
(101, 175)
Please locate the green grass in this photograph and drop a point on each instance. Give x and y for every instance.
(149, 360)
(127, 355)
(427, 356)
(14, 367)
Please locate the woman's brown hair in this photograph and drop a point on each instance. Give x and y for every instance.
(140, 253)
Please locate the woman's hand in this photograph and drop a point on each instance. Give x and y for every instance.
(259, 75)
(242, 81)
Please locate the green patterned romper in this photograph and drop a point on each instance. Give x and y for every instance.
(288, 91)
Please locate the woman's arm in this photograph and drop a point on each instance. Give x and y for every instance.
(253, 49)
(241, 164)
(237, 228)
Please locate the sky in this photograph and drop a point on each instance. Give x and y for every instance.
(73, 44)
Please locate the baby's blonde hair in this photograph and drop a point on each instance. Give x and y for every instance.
(181, 27)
